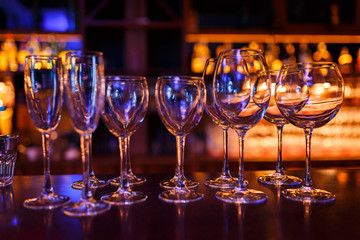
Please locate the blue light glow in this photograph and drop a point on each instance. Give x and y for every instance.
(55, 20)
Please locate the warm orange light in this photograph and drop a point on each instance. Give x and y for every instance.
(21, 56)
(200, 55)
(342, 177)
(197, 65)
(290, 49)
(345, 59)
(276, 64)
(254, 45)
(322, 54)
(3, 61)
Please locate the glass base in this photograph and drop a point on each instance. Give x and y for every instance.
(94, 183)
(83, 208)
(280, 180)
(221, 182)
(172, 183)
(47, 202)
(308, 195)
(242, 196)
(124, 197)
(130, 178)
(6, 182)
(180, 196)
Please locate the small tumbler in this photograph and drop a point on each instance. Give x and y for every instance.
(8, 154)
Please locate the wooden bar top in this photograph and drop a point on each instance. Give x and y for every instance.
(209, 218)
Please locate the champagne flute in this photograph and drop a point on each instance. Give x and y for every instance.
(85, 89)
(243, 98)
(43, 84)
(180, 102)
(94, 182)
(126, 101)
(225, 180)
(309, 95)
(274, 116)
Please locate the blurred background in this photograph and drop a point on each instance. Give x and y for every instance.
(161, 37)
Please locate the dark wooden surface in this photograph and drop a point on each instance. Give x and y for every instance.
(209, 218)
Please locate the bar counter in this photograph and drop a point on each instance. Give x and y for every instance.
(208, 218)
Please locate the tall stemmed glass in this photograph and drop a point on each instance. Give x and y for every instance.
(274, 116)
(243, 98)
(225, 180)
(126, 101)
(43, 84)
(180, 102)
(85, 89)
(93, 180)
(175, 119)
(309, 95)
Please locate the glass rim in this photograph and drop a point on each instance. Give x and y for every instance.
(212, 59)
(307, 65)
(45, 57)
(115, 77)
(83, 53)
(180, 78)
(257, 52)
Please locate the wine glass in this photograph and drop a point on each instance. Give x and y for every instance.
(85, 89)
(180, 102)
(94, 182)
(225, 180)
(126, 101)
(274, 116)
(176, 82)
(43, 85)
(309, 95)
(243, 98)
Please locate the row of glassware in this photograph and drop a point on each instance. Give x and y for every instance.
(236, 90)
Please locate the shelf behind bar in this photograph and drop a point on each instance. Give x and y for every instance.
(140, 23)
(43, 37)
(269, 38)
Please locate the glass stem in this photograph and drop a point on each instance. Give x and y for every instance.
(307, 181)
(279, 165)
(241, 182)
(123, 146)
(180, 147)
(91, 168)
(225, 169)
(85, 141)
(128, 165)
(47, 187)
